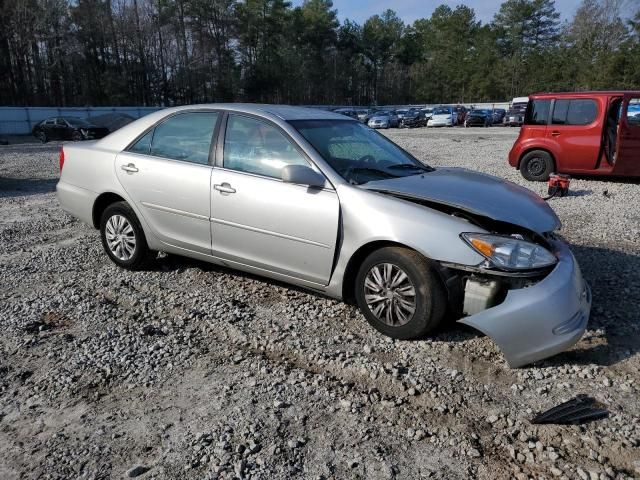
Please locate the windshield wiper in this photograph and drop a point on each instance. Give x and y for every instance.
(411, 166)
(371, 170)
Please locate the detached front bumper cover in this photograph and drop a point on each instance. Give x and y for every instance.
(542, 320)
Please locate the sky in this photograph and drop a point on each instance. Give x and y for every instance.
(410, 10)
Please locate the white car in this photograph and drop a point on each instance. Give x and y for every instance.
(443, 117)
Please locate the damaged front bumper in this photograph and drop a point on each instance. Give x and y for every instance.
(540, 320)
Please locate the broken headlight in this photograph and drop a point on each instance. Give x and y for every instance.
(509, 253)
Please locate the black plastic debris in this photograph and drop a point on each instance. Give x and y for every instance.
(578, 410)
(152, 330)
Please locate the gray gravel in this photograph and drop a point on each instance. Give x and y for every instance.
(192, 371)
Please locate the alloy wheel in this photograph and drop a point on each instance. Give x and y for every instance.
(121, 237)
(390, 294)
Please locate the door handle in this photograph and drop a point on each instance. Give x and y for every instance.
(555, 133)
(224, 188)
(131, 168)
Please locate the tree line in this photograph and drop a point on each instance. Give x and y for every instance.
(171, 52)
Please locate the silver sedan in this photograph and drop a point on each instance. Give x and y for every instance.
(321, 201)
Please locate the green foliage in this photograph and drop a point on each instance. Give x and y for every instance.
(167, 52)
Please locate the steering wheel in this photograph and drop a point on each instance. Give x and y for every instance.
(367, 159)
(363, 162)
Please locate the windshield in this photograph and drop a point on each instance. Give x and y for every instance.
(357, 153)
(478, 112)
(441, 111)
(77, 122)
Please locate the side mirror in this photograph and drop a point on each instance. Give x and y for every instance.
(302, 175)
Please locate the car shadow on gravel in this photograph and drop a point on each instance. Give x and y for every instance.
(615, 317)
(22, 187)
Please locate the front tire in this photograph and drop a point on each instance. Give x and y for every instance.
(399, 293)
(76, 136)
(123, 238)
(536, 166)
(42, 137)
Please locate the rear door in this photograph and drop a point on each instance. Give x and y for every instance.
(167, 174)
(628, 151)
(576, 128)
(260, 221)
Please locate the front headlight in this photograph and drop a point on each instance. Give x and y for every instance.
(509, 253)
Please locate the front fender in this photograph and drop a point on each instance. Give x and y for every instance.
(374, 217)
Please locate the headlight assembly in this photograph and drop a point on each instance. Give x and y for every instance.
(509, 253)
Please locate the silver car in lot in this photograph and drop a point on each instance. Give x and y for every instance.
(323, 202)
(384, 119)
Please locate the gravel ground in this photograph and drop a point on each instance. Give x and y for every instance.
(193, 371)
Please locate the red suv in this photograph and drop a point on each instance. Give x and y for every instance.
(588, 133)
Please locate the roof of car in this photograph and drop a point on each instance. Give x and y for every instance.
(585, 94)
(285, 112)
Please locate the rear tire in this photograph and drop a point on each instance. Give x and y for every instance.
(400, 294)
(76, 136)
(42, 137)
(536, 166)
(123, 238)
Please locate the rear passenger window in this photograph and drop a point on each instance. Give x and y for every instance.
(582, 112)
(185, 137)
(574, 112)
(537, 112)
(143, 145)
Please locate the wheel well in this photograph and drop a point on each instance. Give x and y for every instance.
(350, 273)
(533, 149)
(101, 203)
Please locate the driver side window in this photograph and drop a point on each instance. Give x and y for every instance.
(256, 147)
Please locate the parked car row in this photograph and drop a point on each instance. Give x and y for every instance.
(442, 116)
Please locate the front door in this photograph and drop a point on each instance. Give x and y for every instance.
(628, 150)
(260, 221)
(576, 128)
(167, 174)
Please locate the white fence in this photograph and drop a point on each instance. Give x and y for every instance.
(20, 120)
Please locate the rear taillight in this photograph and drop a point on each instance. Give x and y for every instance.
(61, 158)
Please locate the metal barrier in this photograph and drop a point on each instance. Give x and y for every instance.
(20, 120)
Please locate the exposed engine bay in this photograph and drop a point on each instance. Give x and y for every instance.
(473, 289)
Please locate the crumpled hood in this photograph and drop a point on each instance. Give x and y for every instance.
(476, 193)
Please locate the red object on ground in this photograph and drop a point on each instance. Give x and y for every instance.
(559, 184)
(61, 158)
